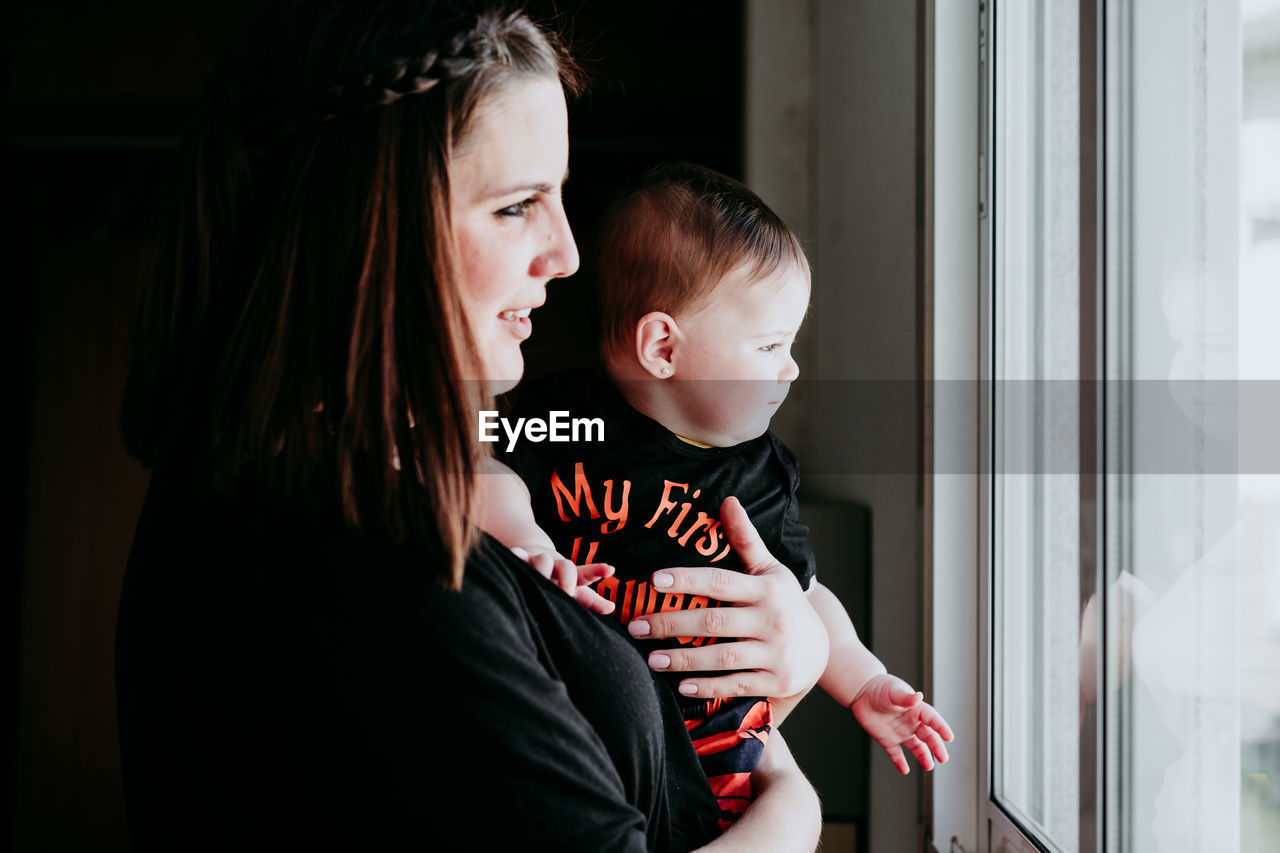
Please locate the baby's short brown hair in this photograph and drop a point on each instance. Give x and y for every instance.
(666, 244)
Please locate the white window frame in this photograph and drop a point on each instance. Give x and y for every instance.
(957, 499)
(964, 818)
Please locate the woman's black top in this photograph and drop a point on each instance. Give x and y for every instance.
(285, 687)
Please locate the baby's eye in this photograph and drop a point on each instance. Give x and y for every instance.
(518, 209)
(770, 347)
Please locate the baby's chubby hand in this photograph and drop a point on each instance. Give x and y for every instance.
(573, 579)
(895, 715)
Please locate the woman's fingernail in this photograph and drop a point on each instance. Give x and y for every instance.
(638, 628)
(689, 689)
(657, 661)
(662, 580)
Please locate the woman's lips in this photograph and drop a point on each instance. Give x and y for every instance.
(518, 323)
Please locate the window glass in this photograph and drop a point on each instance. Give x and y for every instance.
(1259, 487)
(1192, 501)
(1035, 420)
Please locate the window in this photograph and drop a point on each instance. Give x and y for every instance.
(1036, 490)
(1193, 693)
(1126, 536)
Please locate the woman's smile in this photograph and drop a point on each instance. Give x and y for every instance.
(518, 322)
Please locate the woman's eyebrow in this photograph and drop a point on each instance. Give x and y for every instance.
(541, 188)
(521, 188)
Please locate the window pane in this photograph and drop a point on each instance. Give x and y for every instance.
(1259, 493)
(1036, 490)
(1192, 503)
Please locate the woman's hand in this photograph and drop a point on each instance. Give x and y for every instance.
(780, 646)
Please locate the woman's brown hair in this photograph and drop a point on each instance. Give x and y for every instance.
(302, 344)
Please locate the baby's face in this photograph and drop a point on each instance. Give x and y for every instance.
(734, 366)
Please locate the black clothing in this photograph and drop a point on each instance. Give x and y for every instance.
(309, 688)
(610, 500)
(642, 499)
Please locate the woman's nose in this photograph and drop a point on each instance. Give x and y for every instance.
(560, 259)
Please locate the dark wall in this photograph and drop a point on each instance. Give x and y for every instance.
(94, 96)
(667, 84)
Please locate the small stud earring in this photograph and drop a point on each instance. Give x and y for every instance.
(666, 371)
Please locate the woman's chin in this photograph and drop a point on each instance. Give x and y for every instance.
(500, 375)
(494, 387)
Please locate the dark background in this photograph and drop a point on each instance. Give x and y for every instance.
(94, 99)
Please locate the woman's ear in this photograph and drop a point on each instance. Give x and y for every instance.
(656, 338)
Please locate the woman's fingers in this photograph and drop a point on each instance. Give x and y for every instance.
(744, 537)
(720, 584)
(725, 585)
(703, 622)
(769, 608)
(765, 605)
(749, 654)
(746, 683)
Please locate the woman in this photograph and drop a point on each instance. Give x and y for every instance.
(315, 646)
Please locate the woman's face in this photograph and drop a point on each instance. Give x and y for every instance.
(508, 218)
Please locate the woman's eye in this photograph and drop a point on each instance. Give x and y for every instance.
(517, 209)
(770, 347)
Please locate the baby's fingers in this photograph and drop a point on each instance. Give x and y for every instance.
(593, 601)
(565, 575)
(904, 697)
(933, 741)
(899, 760)
(920, 751)
(542, 562)
(592, 572)
(931, 718)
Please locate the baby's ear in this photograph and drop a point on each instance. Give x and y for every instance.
(656, 337)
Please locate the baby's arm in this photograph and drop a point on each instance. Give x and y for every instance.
(505, 511)
(850, 665)
(888, 708)
(506, 515)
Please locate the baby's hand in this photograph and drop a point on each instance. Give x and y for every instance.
(574, 580)
(897, 716)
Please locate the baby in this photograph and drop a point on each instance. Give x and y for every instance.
(702, 291)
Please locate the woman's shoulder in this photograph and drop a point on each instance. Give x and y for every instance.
(213, 555)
